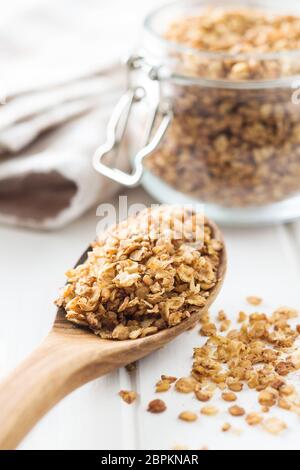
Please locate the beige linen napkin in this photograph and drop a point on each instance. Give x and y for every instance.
(61, 75)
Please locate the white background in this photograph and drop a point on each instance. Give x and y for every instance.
(264, 262)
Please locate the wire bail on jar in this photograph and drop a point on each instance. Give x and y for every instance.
(117, 126)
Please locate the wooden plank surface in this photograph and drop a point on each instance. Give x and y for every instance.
(31, 271)
(262, 262)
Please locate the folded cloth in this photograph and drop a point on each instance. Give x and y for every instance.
(52, 186)
(61, 76)
(27, 116)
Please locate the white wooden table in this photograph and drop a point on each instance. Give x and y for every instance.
(264, 262)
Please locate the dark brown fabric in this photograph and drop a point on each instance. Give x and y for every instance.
(36, 196)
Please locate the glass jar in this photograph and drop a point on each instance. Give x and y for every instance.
(222, 129)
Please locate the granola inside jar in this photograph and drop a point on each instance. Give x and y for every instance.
(230, 75)
(234, 140)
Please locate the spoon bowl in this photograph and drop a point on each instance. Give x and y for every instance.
(71, 356)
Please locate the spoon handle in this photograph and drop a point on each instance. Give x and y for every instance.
(51, 372)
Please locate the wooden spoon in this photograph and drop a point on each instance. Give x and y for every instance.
(71, 356)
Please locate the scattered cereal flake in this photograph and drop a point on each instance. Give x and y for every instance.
(235, 386)
(287, 390)
(188, 416)
(221, 316)
(284, 313)
(267, 398)
(156, 406)
(242, 317)
(208, 329)
(222, 385)
(209, 410)
(256, 354)
(284, 404)
(253, 419)
(211, 387)
(277, 384)
(162, 386)
(185, 385)
(128, 396)
(284, 367)
(203, 395)
(253, 300)
(204, 317)
(226, 427)
(225, 325)
(236, 411)
(169, 378)
(229, 396)
(274, 425)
